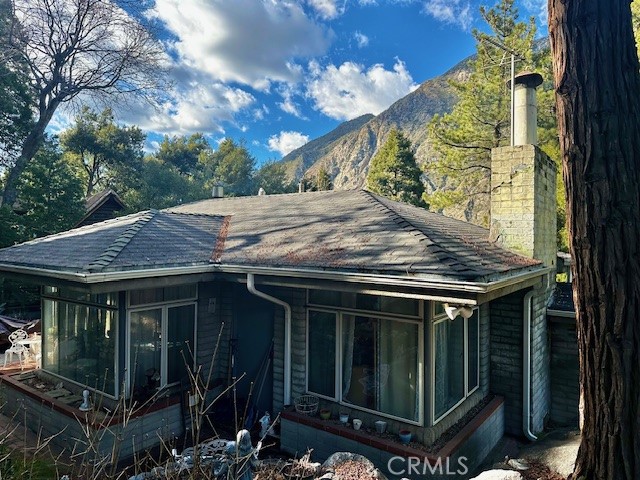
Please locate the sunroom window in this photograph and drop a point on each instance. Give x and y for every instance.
(455, 361)
(79, 337)
(161, 337)
(371, 361)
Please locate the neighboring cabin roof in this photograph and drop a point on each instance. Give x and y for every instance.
(341, 231)
(101, 206)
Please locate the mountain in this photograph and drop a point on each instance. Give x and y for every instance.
(345, 152)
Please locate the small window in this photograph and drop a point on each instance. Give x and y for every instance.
(364, 302)
(148, 296)
(76, 295)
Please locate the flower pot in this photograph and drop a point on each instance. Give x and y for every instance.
(344, 418)
(357, 423)
(325, 414)
(381, 426)
(405, 436)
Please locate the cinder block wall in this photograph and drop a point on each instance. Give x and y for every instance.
(565, 372)
(506, 357)
(523, 219)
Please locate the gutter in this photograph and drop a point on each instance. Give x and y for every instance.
(287, 334)
(384, 280)
(526, 367)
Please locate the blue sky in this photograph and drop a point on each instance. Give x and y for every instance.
(276, 73)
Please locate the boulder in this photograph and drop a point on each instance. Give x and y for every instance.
(499, 475)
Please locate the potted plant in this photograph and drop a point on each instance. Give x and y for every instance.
(325, 413)
(405, 436)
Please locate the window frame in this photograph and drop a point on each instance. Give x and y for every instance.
(434, 321)
(164, 329)
(48, 296)
(339, 313)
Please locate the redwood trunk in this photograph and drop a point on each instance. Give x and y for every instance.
(597, 82)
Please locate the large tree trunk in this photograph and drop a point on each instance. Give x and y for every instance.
(30, 147)
(598, 99)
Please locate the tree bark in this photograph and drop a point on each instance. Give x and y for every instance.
(597, 79)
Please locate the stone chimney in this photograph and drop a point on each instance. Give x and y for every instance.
(523, 184)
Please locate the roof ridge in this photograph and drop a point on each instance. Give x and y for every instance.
(112, 251)
(404, 223)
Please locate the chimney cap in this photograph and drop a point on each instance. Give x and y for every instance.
(528, 79)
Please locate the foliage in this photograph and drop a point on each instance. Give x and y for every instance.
(162, 185)
(462, 140)
(393, 171)
(92, 48)
(635, 20)
(318, 181)
(272, 176)
(183, 152)
(16, 96)
(232, 166)
(50, 194)
(110, 155)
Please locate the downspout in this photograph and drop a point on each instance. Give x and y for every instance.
(287, 334)
(526, 368)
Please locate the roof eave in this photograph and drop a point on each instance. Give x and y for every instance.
(470, 287)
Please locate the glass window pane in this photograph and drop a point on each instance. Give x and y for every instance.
(380, 365)
(144, 296)
(322, 353)
(79, 343)
(438, 309)
(180, 342)
(473, 325)
(180, 292)
(401, 306)
(449, 364)
(146, 345)
(324, 297)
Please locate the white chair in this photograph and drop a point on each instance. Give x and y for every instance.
(16, 347)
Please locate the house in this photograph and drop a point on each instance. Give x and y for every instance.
(381, 310)
(101, 206)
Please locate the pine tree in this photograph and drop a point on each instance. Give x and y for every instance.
(394, 173)
(462, 140)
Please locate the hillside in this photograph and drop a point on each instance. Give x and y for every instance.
(345, 152)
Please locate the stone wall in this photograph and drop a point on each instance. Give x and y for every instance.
(565, 371)
(69, 431)
(465, 451)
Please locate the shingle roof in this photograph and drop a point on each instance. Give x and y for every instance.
(149, 239)
(335, 231)
(354, 230)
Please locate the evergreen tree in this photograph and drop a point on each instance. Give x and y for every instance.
(462, 140)
(232, 166)
(50, 194)
(272, 176)
(318, 181)
(110, 155)
(394, 173)
(183, 152)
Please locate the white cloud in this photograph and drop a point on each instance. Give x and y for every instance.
(198, 104)
(361, 39)
(450, 11)
(350, 90)
(538, 8)
(285, 142)
(327, 9)
(288, 105)
(246, 41)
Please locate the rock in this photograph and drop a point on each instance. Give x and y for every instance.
(518, 464)
(499, 475)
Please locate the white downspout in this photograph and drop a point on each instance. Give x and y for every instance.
(287, 334)
(526, 368)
